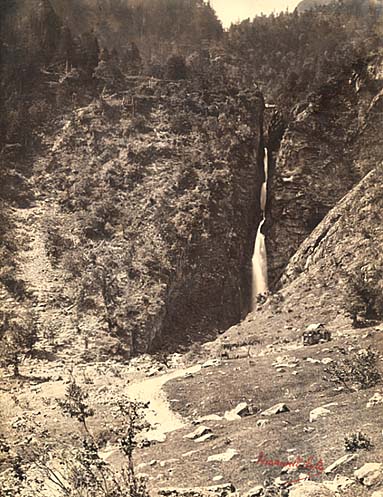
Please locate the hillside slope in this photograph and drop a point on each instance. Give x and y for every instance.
(160, 191)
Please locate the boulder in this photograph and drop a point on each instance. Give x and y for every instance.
(238, 412)
(327, 360)
(339, 462)
(370, 473)
(339, 484)
(319, 412)
(199, 432)
(310, 489)
(261, 423)
(224, 457)
(315, 333)
(375, 400)
(208, 417)
(313, 361)
(377, 493)
(276, 409)
(255, 491)
(205, 438)
(210, 363)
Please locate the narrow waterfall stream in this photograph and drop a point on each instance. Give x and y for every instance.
(259, 283)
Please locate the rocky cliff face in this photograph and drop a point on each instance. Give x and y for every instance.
(333, 141)
(338, 269)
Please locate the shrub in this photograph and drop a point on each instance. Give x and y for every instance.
(75, 404)
(357, 441)
(357, 371)
(82, 470)
(364, 296)
(56, 245)
(18, 335)
(176, 67)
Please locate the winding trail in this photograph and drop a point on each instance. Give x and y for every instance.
(160, 415)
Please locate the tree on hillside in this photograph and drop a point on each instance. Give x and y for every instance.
(18, 335)
(66, 51)
(176, 67)
(88, 52)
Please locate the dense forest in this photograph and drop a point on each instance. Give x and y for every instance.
(292, 54)
(57, 48)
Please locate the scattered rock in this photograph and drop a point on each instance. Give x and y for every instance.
(199, 432)
(261, 423)
(279, 482)
(277, 409)
(238, 412)
(224, 457)
(310, 489)
(370, 473)
(315, 333)
(209, 417)
(205, 438)
(326, 360)
(210, 363)
(285, 362)
(319, 412)
(339, 462)
(376, 399)
(290, 469)
(190, 453)
(155, 436)
(339, 484)
(255, 491)
(166, 462)
(221, 490)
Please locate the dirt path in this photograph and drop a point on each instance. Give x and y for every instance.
(159, 415)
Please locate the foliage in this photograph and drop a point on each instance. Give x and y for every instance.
(291, 55)
(75, 404)
(79, 471)
(358, 370)
(364, 296)
(176, 67)
(55, 243)
(18, 335)
(357, 441)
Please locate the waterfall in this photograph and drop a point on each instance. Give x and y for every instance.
(259, 261)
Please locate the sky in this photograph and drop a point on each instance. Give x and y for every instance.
(233, 10)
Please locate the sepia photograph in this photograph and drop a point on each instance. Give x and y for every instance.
(191, 248)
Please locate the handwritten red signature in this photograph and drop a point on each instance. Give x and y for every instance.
(314, 467)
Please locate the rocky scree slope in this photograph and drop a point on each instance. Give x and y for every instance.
(331, 144)
(155, 194)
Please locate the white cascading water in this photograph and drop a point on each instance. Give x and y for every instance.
(259, 260)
